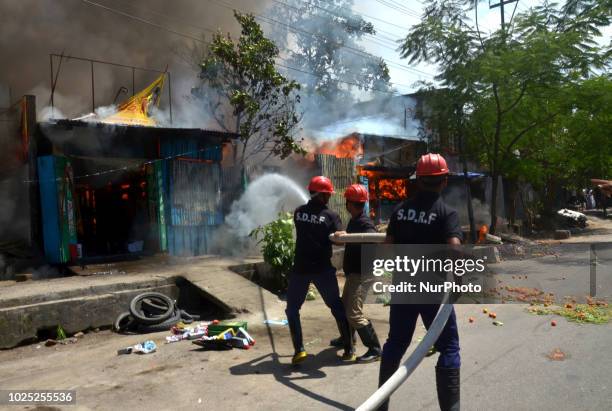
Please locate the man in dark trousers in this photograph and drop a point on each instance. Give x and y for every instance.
(356, 286)
(425, 219)
(314, 223)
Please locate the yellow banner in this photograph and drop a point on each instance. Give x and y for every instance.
(137, 109)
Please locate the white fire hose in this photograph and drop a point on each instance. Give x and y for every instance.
(404, 371)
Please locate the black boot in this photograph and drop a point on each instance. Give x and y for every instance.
(347, 340)
(370, 340)
(338, 342)
(295, 328)
(448, 383)
(387, 368)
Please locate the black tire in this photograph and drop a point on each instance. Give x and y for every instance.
(140, 316)
(163, 326)
(153, 306)
(123, 322)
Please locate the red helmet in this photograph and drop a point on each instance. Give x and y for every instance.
(320, 184)
(356, 193)
(431, 165)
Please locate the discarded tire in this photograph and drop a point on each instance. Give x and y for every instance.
(153, 306)
(123, 322)
(163, 326)
(152, 312)
(137, 311)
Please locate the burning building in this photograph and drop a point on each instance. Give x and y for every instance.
(383, 164)
(106, 187)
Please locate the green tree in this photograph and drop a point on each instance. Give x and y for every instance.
(515, 85)
(323, 41)
(241, 82)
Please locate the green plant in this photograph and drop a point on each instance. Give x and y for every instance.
(61, 335)
(278, 246)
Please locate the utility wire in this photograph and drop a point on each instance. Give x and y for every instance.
(205, 42)
(355, 50)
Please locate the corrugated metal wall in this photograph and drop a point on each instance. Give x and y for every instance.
(194, 206)
(342, 173)
(192, 188)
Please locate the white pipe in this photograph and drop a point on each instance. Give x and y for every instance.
(358, 238)
(411, 363)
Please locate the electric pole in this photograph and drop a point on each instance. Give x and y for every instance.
(501, 5)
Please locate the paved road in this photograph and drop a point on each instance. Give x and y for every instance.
(504, 368)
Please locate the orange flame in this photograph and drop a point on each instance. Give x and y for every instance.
(346, 147)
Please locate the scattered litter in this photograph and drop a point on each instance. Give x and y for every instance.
(557, 355)
(145, 347)
(222, 326)
(238, 342)
(572, 218)
(213, 344)
(276, 322)
(244, 334)
(498, 323)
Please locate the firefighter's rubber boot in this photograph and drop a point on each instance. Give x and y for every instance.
(295, 328)
(337, 342)
(370, 339)
(448, 386)
(387, 368)
(347, 341)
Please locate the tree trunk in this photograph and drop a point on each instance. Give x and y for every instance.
(493, 209)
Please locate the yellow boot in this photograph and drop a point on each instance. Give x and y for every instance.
(299, 357)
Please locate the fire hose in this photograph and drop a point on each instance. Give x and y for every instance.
(413, 361)
(404, 371)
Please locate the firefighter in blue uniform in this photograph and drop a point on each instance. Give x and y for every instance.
(440, 225)
(314, 223)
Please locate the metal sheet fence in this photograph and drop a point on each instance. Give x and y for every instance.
(342, 173)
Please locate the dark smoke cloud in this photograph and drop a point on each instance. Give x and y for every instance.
(31, 29)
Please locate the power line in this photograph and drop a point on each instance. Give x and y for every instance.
(402, 10)
(355, 51)
(378, 31)
(364, 15)
(144, 21)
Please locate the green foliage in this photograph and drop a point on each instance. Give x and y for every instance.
(522, 96)
(326, 44)
(60, 334)
(242, 75)
(278, 245)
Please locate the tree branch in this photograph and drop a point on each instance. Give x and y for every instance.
(518, 99)
(524, 131)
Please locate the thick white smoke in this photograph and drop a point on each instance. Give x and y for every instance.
(262, 201)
